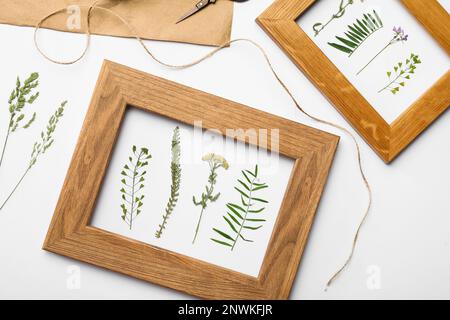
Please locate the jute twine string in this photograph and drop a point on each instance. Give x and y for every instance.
(197, 61)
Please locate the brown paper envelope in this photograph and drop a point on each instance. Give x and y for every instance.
(151, 19)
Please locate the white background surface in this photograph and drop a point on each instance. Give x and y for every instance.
(406, 240)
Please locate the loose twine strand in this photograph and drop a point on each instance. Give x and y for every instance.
(198, 61)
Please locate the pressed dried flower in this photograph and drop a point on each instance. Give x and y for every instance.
(399, 36)
(244, 215)
(215, 162)
(216, 159)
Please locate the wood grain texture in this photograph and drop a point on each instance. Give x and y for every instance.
(279, 21)
(119, 88)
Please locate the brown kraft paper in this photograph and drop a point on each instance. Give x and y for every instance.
(151, 19)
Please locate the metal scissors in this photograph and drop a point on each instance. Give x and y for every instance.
(200, 6)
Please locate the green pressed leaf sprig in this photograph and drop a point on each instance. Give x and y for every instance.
(41, 146)
(175, 169)
(402, 71)
(133, 178)
(215, 162)
(318, 27)
(358, 33)
(21, 96)
(244, 215)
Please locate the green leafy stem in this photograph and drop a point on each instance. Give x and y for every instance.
(215, 162)
(318, 27)
(21, 96)
(41, 147)
(133, 182)
(175, 169)
(237, 217)
(402, 72)
(358, 33)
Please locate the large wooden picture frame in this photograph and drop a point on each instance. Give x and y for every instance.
(388, 140)
(119, 88)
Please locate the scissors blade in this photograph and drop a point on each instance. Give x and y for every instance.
(199, 6)
(188, 14)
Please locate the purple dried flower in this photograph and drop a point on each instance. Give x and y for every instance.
(399, 35)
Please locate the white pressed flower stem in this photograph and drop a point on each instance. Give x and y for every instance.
(382, 50)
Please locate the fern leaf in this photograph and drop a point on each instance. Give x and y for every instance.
(352, 38)
(247, 240)
(229, 206)
(234, 219)
(378, 18)
(357, 33)
(244, 185)
(252, 228)
(340, 47)
(347, 42)
(223, 234)
(221, 242)
(237, 207)
(238, 217)
(363, 27)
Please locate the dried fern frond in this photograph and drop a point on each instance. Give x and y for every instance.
(245, 215)
(358, 33)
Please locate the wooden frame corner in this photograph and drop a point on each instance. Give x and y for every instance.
(387, 140)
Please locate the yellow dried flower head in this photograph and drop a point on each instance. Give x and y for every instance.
(216, 159)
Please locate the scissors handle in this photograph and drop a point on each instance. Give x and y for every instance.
(200, 6)
(204, 3)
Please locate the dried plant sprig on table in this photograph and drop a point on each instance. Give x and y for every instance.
(358, 33)
(41, 147)
(318, 27)
(237, 217)
(402, 71)
(21, 96)
(215, 162)
(399, 36)
(175, 169)
(133, 182)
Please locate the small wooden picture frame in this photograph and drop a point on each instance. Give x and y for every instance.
(387, 140)
(118, 88)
